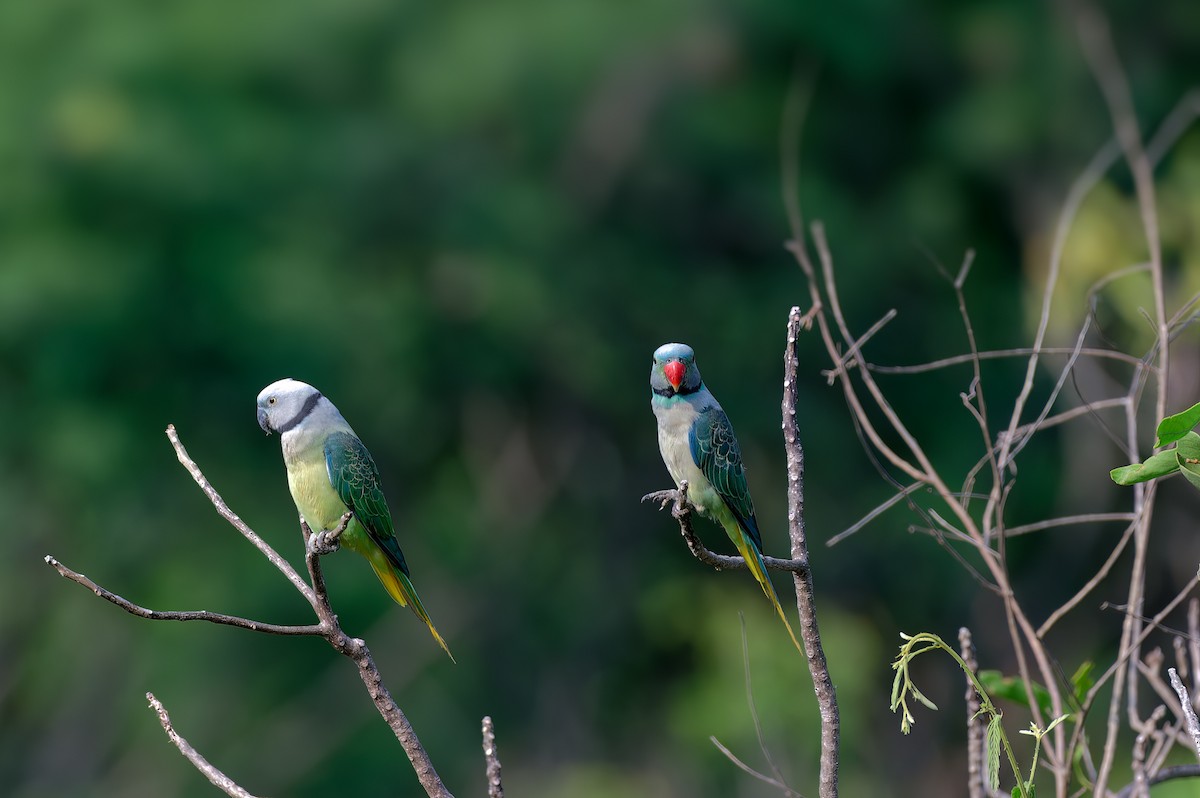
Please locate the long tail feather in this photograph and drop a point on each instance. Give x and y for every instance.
(400, 588)
(754, 560)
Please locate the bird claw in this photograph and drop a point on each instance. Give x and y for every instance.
(320, 544)
(663, 497)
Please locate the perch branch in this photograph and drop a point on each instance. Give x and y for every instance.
(218, 779)
(495, 788)
(682, 512)
(805, 598)
(328, 627)
(193, 615)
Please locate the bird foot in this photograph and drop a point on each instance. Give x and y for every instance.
(663, 497)
(322, 543)
(678, 497)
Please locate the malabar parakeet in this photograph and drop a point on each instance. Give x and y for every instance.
(330, 471)
(698, 444)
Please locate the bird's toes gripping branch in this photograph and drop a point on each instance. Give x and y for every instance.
(328, 541)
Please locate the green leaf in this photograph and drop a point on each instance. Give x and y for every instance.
(1187, 455)
(992, 763)
(1172, 428)
(1158, 465)
(1082, 680)
(1013, 689)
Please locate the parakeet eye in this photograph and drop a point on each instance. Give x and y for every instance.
(271, 401)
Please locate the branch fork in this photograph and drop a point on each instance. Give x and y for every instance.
(317, 545)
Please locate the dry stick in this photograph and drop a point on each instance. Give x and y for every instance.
(994, 354)
(1019, 624)
(1098, 48)
(1189, 713)
(805, 598)
(191, 615)
(229, 515)
(328, 628)
(974, 725)
(777, 780)
(492, 758)
(1123, 657)
(1193, 618)
(218, 779)
(732, 757)
(1068, 520)
(1166, 774)
(356, 649)
(1096, 579)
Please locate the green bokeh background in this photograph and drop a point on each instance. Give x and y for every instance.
(470, 224)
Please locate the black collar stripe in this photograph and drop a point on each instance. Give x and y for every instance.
(310, 404)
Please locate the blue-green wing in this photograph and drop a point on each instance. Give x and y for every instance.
(355, 477)
(716, 452)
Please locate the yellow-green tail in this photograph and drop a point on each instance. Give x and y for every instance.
(400, 588)
(754, 560)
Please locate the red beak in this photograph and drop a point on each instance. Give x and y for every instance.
(674, 373)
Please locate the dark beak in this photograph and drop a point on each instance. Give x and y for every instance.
(262, 420)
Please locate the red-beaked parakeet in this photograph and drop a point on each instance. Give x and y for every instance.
(698, 444)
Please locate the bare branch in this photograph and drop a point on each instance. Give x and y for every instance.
(760, 776)
(975, 728)
(1189, 712)
(492, 758)
(355, 649)
(218, 779)
(996, 354)
(1068, 520)
(682, 511)
(229, 515)
(1098, 48)
(758, 731)
(1166, 774)
(194, 615)
(805, 597)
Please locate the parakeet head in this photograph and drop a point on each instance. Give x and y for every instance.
(674, 370)
(284, 404)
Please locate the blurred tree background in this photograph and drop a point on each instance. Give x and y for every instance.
(470, 224)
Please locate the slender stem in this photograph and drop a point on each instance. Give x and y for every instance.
(492, 759)
(805, 595)
(218, 779)
(173, 615)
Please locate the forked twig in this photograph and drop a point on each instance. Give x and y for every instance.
(314, 591)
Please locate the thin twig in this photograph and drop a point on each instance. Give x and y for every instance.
(996, 354)
(192, 615)
(1092, 583)
(975, 729)
(751, 771)
(492, 758)
(229, 515)
(1096, 40)
(758, 730)
(218, 779)
(1189, 713)
(1166, 774)
(1068, 520)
